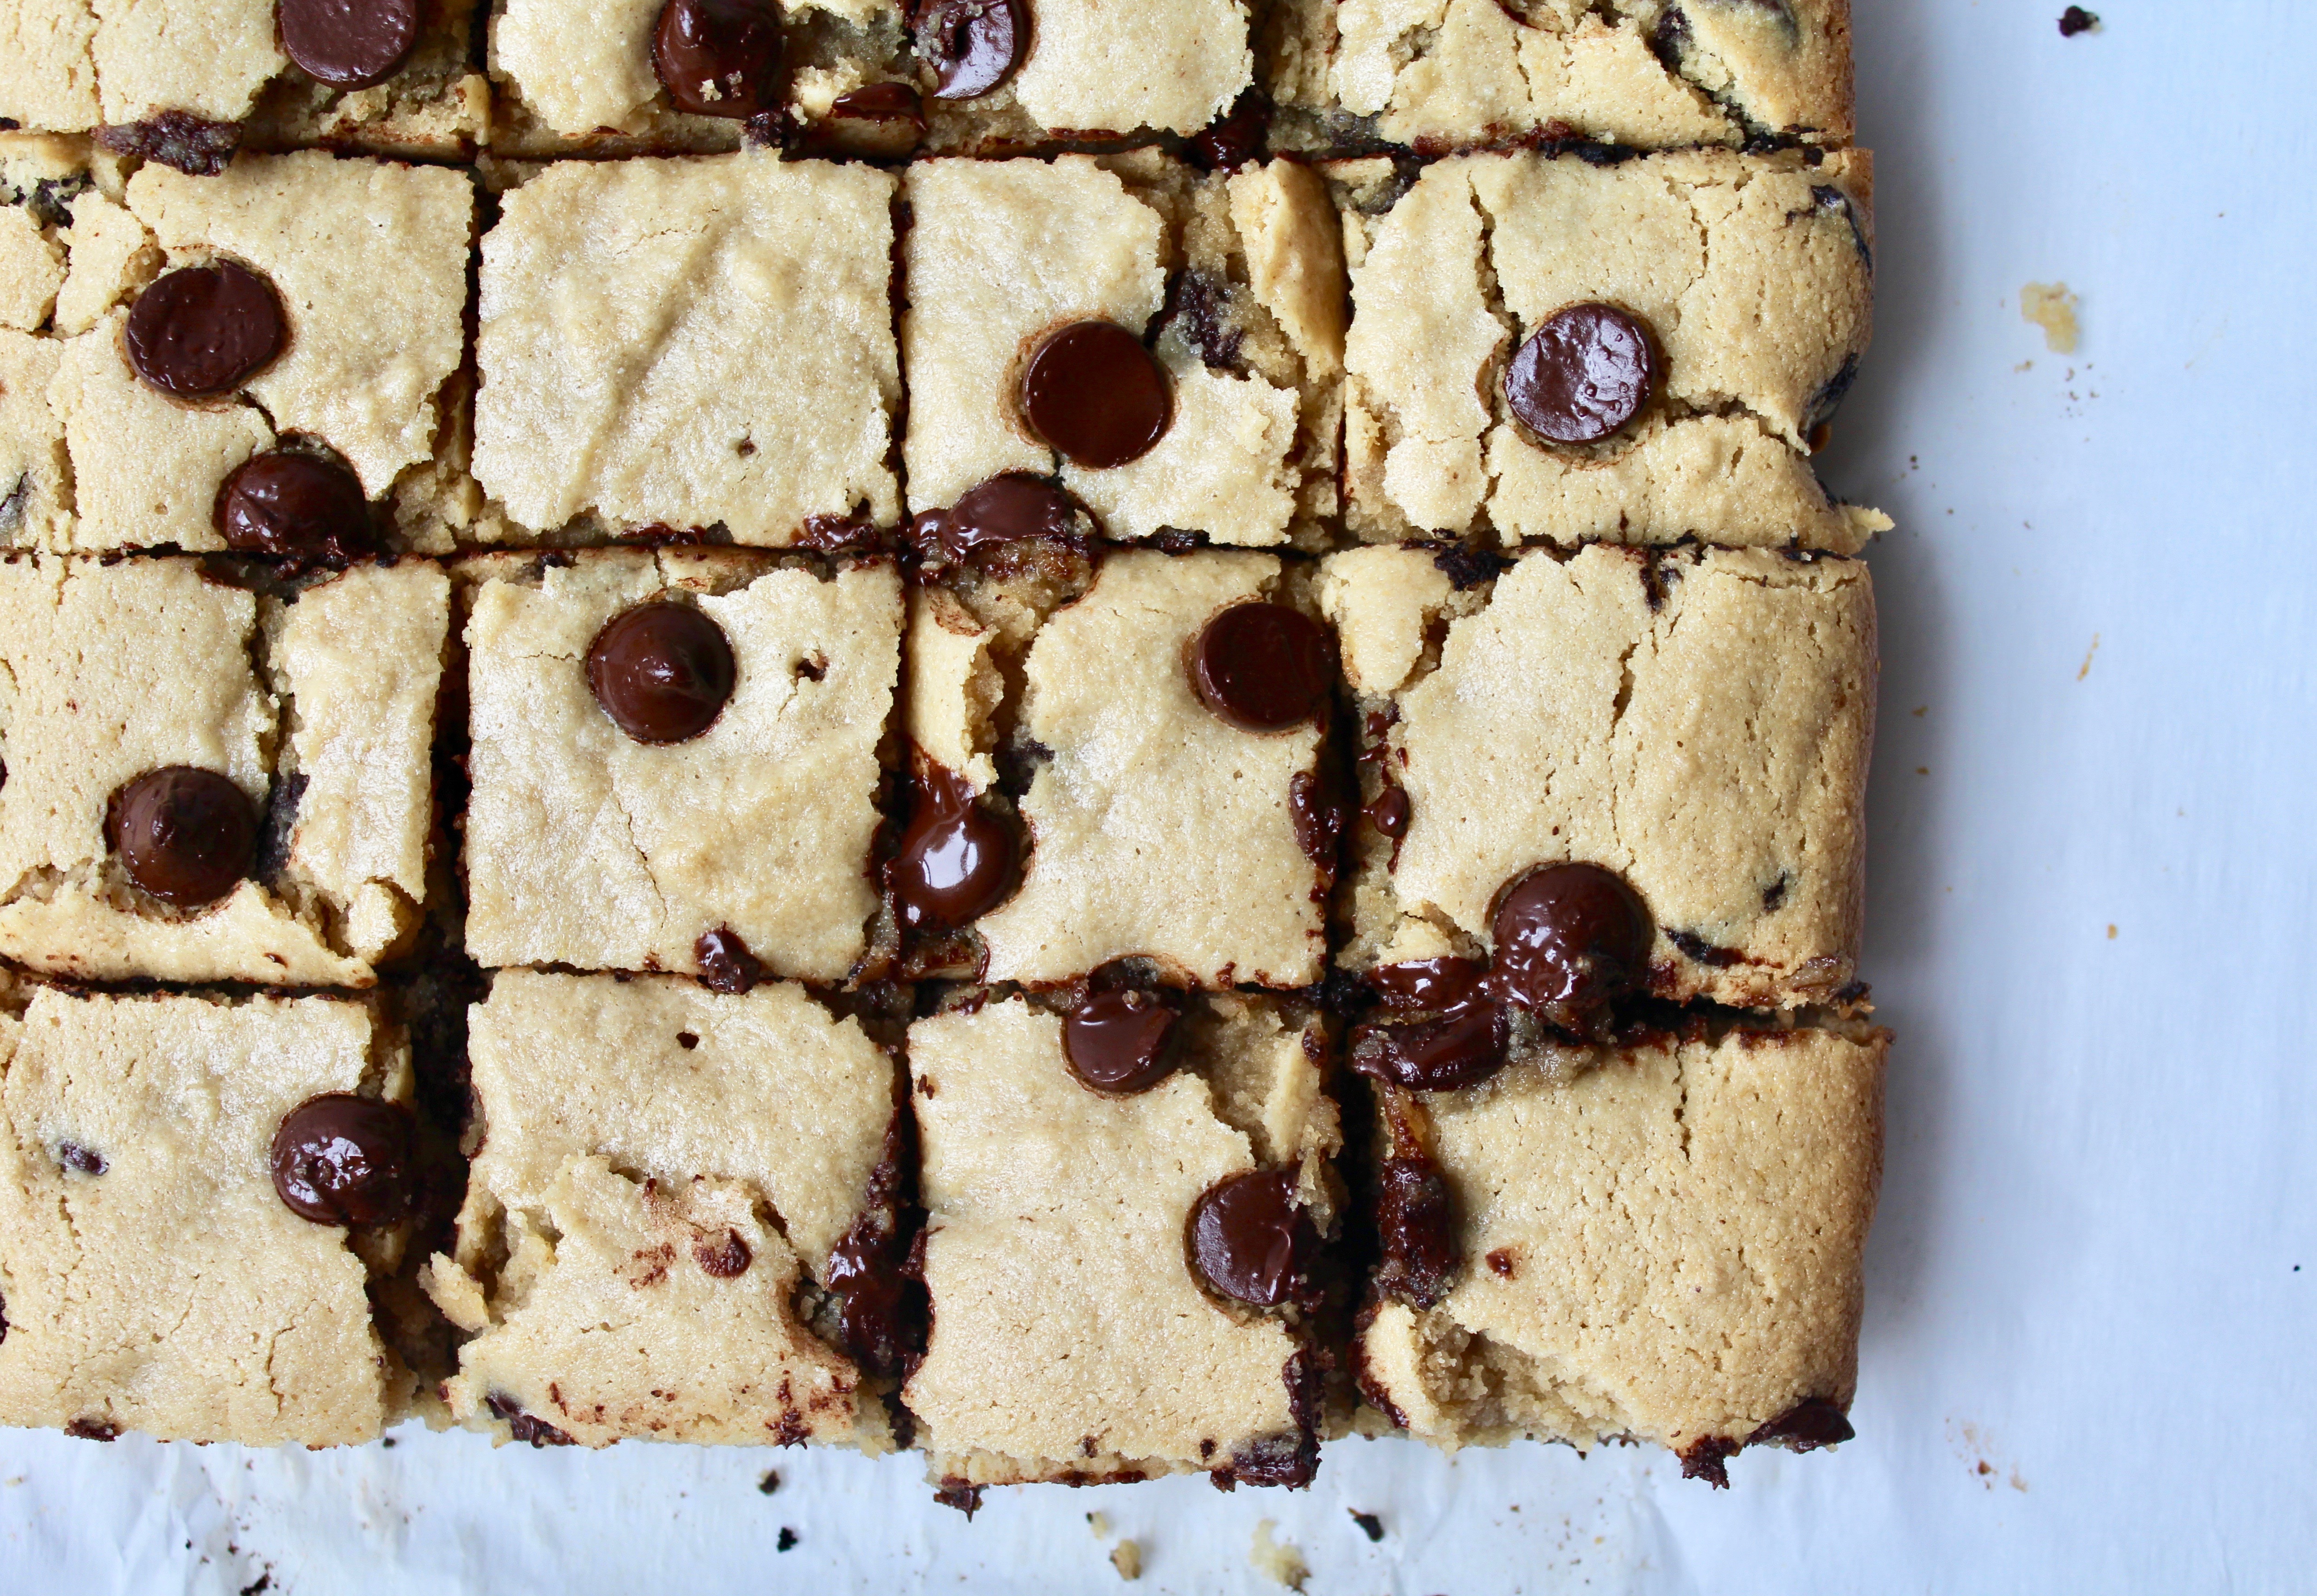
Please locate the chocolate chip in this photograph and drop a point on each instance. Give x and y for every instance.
(1199, 309)
(194, 145)
(1117, 1041)
(293, 506)
(93, 1429)
(881, 103)
(1416, 1222)
(662, 672)
(1248, 1241)
(184, 835)
(86, 1161)
(1581, 376)
(277, 832)
(719, 58)
(1462, 1048)
(1389, 812)
(201, 331)
(725, 965)
(341, 1159)
(1263, 667)
(1094, 393)
(971, 45)
(724, 1258)
(956, 860)
(1003, 510)
(1441, 982)
(2076, 20)
(521, 1428)
(1569, 938)
(1706, 1458)
(1319, 814)
(1467, 569)
(1811, 1423)
(1235, 138)
(348, 44)
(876, 1270)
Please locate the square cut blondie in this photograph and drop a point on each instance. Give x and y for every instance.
(1696, 722)
(266, 362)
(1118, 1274)
(676, 760)
(210, 783)
(1171, 343)
(1543, 347)
(1665, 1247)
(682, 1208)
(702, 344)
(185, 80)
(1444, 75)
(1078, 721)
(157, 1274)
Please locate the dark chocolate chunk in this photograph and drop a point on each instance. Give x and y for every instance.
(1569, 938)
(341, 1159)
(1811, 1423)
(1092, 392)
(86, 1161)
(1466, 567)
(1263, 667)
(786, 1541)
(1462, 1048)
(1707, 1459)
(1582, 375)
(1249, 1240)
(662, 672)
(93, 1429)
(184, 835)
(723, 1257)
(1318, 812)
(2076, 20)
(1117, 1041)
(971, 45)
(956, 860)
(1002, 510)
(348, 44)
(725, 965)
(1415, 1224)
(289, 504)
(719, 58)
(521, 1428)
(1441, 982)
(201, 331)
(1235, 138)
(194, 145)
(881, 103)
(873, 1271)
(1389, 812)
(1697, 949)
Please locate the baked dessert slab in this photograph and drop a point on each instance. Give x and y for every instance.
(1664, 1244)
(154, 1277)
(1743, 283)
(348, 356)
(589, 847)
(1057, 724)
(185, 81)
(670, 1186)
(212, 784)
(1072, 1339)
(617, 391)
(1232, 282)
(1440, 75)
(1697, 722)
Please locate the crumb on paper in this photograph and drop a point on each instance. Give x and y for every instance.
(1126, 1556)
(2076, 20)
(1372, 1526)
(2111, 930)
(1278, 1561)
(2050, 307)
(2085, 669)
(770, 1483)
(1100, 1524)
(787, 1541)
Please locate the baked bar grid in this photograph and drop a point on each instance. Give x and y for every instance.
(724, 1125)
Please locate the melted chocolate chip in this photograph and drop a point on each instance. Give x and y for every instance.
(186, 836)
(1443, 983)
(348, 44)
(971, 45)
(1003, 510)
(93, 1429)
(1235, 138)
(1318, 816)
(881, 103)
(1583, 375)
(1117, 1041)
(1263, 667)
(1390, 811)
(1707, 1459)
(724, 1257)
(719, 58)
(662, 672)
(1199, 308)
(307, 508)
(194, 145)
(881, 1302)
(1248, 1241)
(1094, 393)
(86, 1161)
(521, 1428)
(1811, 1423)
(1462, 1048)
(1569, 938)
(725, 963)
(345, 1160)
(201, 331)
(1416, 1222)
(956, 860)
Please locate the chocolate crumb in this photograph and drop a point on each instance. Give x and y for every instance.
(787, 1540)
(2076, 20)
(1370, 1525)
(93, 1430)
(955, 1493)
(770, 1483)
